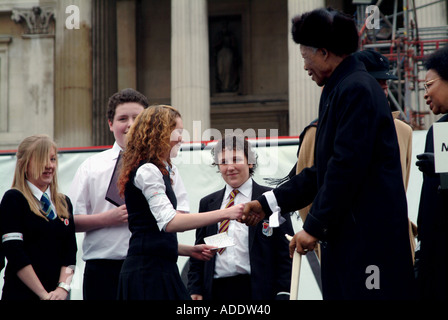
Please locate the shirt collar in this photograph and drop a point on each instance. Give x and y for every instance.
(37, 192)
(116, 149)
(244, 189)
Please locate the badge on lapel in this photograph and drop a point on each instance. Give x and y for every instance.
(267, 230)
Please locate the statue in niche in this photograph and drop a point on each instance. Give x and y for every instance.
(227, 61)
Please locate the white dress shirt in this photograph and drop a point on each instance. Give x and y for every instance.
(235, 259)
(88, 193)
(149, 179)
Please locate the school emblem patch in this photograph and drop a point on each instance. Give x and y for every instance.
(267, 231)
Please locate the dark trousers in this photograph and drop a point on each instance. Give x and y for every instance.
(101, 279)
(232, 288)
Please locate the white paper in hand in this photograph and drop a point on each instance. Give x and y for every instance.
(220, 240)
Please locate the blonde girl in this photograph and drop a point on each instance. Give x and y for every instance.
(36, 226)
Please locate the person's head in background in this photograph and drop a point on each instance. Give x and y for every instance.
(235, 159)
(378, 66)
(436, 81)
(123, 107)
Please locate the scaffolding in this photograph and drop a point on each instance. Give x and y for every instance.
(406, 49)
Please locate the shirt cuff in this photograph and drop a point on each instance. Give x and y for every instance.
(271, 200)
(275, 219)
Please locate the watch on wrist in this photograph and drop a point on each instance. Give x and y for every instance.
(64, 286)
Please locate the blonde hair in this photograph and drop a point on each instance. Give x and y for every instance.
(37, 149)
(148, 140)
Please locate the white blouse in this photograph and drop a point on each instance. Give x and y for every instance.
(149, 179)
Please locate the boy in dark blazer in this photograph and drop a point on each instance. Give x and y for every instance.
(258, 266)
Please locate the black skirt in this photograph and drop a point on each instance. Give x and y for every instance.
(151, 278)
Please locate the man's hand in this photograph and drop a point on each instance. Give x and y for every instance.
(302, 242)
(252, 213)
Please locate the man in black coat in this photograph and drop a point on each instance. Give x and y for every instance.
(258, 266)
(359, 212)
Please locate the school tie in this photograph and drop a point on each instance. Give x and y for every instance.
(224, 226)
(46, 207)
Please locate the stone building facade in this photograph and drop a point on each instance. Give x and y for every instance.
(225, 64)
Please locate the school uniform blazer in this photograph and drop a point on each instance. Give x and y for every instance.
(269, 256)
(45, 245)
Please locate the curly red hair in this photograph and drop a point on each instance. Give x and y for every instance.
(148, 140)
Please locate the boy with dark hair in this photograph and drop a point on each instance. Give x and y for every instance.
(105, 224)
(257, 267)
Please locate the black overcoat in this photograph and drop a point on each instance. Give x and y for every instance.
(432, 218)
(359, 209)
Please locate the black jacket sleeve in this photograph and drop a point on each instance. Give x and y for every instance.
(69, 258)
(12, 208)
(295, 194)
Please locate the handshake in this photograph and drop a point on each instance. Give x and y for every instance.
(302, 242)
(252, 213)
(249, 213)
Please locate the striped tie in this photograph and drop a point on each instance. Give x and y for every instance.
(46, 207)
(224, 226)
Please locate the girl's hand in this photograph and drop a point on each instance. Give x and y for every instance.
(235, 212)
(203, 252)
(58, 294)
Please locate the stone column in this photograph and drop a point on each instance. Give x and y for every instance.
(190, 83)
(36, 68)
(126, 44)
(73, 74)
(304, 94)
(104, 48)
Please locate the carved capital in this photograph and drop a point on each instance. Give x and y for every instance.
(37, 19)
